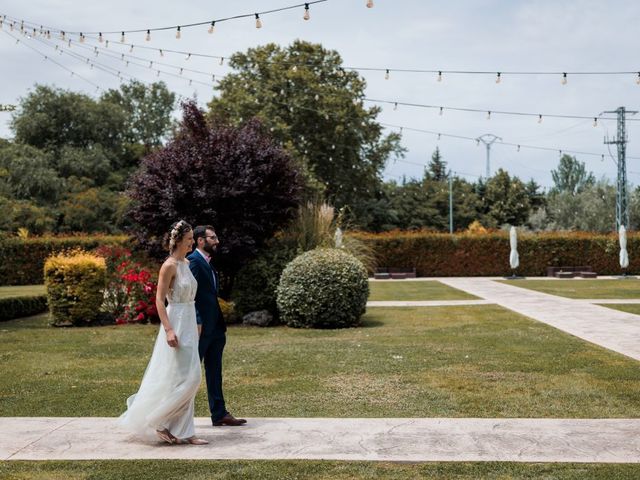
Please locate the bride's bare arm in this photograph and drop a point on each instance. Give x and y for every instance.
(166, 276)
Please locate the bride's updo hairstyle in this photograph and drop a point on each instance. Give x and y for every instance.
(177, 233)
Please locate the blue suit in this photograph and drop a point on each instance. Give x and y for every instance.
(213, 337)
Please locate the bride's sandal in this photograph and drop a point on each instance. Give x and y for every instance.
(196, 441)
(165, 436)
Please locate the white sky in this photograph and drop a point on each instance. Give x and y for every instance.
(498, 35)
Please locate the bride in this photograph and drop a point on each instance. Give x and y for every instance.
(164, 404)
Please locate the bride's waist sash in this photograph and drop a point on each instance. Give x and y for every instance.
(182, 304)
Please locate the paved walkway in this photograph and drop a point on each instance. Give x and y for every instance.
(400, 439)
(425, 303)
(612, 329)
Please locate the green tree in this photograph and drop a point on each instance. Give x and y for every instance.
(571, 175)
(147, 112)
(505, 200)
(437, 169)
(314, 108)
(26, 174)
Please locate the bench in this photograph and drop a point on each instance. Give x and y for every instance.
(392, 273)
(571, 272)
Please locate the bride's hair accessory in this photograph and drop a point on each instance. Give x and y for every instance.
(176, 234)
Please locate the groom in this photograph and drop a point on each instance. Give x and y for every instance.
(210, 322)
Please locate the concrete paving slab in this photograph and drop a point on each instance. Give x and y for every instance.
(616, 330)
(390, 439)
(425, 303)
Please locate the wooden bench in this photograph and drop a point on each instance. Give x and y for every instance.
(571, 272)
(393, 273)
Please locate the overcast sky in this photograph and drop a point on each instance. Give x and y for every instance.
(499, 35)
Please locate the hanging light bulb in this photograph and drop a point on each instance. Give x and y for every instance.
(369, 3)
(181, 70)
(539, 118)
(48, 34)
(188, 56)
(106, 44)
(518, 148)
(489, 115)
(595, 121)
(122, 38)
(602, 159)
(100, 39)
(498, 77)
(386, 74)
(306, 12)
(564, 78)
(212, 27)
(439, 76)
(258, 21)
(395, 106)
(161, 53)
(441, 111)
(61, 33)
(439, 135)
(131, 49)
(150, 63)
(81, 37)
(148, 36)
(157, 73)
(638, 79)
(178, 35)
(221, 60)
(477, 142)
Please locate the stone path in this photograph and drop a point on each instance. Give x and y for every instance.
(612, 329)
(391, 439)
(424, 303)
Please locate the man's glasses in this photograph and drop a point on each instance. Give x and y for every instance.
(214, 237)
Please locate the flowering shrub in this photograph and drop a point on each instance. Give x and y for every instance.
(130, 295)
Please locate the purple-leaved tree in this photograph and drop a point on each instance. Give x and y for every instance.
(234, 178)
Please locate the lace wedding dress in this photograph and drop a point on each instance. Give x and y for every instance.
(166, 395)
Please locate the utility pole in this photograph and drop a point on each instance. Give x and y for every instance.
(450, 202)
(622, 197)
(488, 139)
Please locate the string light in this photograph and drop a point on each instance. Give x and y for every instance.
(386, 75)
(161, 53)
(258, 21)
(81, 38)
(221, 60)
(518, 148)
(188, 57)
(122, 38)
(638, 79)
(441, 111)
(564, 78)
(178, 35)
(498, 78)
(212, 27)
(100, 39)
(595, 121)
(539, 118)
(395, 106)
(306, 16)
(148, 36)
(439, 76)
(489, 115)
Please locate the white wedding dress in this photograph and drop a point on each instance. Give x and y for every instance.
(166, 395)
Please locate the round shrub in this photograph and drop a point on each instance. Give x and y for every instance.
(75, 284)
(323, 288)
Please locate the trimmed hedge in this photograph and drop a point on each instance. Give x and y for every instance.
(16, 307)
(75, 284)
(465, 254)
(323, 288)
(23, 259)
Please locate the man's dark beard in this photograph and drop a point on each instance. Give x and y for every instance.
(210, 249)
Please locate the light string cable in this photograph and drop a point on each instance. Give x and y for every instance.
(490, 112)
(119, 73)
(499, 75)
(46, 57)
(147, 31)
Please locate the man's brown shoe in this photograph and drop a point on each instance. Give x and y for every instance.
(230, 421)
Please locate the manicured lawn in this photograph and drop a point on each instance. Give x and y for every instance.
(299, 470)
(415, 290)
(587, 288)
(22, 291)
(471, 361)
